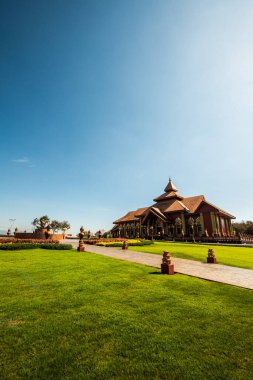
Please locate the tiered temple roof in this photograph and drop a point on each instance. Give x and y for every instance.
(131, 216)
(167, 203)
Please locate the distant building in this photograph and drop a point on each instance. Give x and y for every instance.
(175, 217)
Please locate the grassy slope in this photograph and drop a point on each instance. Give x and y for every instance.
(233, 256)
(69, 315)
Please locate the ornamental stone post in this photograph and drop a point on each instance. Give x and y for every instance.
(124, 245)
(167, 267)
(211, 259)
(81, 247)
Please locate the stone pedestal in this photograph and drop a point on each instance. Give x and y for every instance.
(81, 247)
(167, 269)
(211, 260)
(124, 245)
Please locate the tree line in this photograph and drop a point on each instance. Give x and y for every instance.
(244, 227)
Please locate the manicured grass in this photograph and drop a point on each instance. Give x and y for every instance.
(234, 256)
(70, 315)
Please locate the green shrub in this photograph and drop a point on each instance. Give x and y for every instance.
(147, 242)
(60, 247)
(112, 244)
(16, 247)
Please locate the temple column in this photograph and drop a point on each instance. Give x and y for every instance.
(183, 231)
(201, 218)
(218, 225)
(227, 227)
(174, 230)
(231, 228)
(226, 230)
(155, 228)
(165, 228)
(213, 221)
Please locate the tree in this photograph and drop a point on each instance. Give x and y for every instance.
(64, 226)
(41, 222)
(55, 225)
(243, 227)
(249, 229)
(99, 233)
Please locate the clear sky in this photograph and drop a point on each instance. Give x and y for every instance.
(102, 100)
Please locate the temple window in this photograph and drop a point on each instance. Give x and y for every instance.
(191, 221)
(199, 227)
(171, 230)
(191, 226)
(132, 230)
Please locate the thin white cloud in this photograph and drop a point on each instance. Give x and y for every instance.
(23, 160)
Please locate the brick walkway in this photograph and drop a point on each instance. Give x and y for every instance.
(213, 272)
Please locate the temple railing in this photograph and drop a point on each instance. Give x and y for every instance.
(241, 239)
(246, 238)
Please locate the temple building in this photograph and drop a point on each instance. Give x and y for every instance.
(174, 217)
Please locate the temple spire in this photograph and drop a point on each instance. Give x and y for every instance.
(170, 187)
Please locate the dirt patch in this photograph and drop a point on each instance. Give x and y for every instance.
(14, 322)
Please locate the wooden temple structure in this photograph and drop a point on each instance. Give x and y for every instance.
(174, 217)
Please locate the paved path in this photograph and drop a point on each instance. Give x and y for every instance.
(213, 272)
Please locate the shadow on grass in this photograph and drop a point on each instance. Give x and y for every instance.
(162, 273)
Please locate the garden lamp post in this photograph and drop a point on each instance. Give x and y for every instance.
(12, 221)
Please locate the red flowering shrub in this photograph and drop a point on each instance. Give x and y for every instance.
(35, 241)
(21, 246)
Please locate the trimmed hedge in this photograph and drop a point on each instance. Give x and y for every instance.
(60, 247)
(20, 246)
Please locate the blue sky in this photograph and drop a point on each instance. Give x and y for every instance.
(102, 101)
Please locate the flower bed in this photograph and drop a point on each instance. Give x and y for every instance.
(131, 242)
(102, 240)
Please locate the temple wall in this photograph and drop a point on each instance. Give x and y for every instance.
(37, 235)
(24, 235)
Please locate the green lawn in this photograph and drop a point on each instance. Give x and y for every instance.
(234, 256)
(71, 315)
